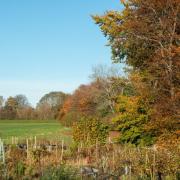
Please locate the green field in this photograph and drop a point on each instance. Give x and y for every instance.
(42, 129)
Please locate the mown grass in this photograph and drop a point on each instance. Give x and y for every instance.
(42, 129)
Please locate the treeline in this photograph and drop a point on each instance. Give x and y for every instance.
(98, 98)
(111, 102)
(18, 107)
(144, 106)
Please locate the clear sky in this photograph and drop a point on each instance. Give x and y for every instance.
(50, 45)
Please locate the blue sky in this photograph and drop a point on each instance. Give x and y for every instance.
(50, 45)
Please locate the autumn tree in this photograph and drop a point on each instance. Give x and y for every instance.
(98, 98)
(49, 105)
(89, 131)
(24, 110)
(145, 36)
(53, 99)
(44, 112)
(1, 101)
(83, 102)
(17, 107)
(22, 101)
(10, 109)
(27, 113)
(132, 113)
(1, 106)
(112, 84)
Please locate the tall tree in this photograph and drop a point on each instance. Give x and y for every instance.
(22, 101)
(83, 102)
(53, 99)
(146, 36)
(10, 108)
(111, 83)
(50, 104)
(1, 101)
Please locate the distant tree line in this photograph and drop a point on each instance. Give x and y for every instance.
(18, 107)
(98, 98)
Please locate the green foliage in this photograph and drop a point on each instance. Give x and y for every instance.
(132, 115)
(89, 131)
(20, 169)
(60, 173)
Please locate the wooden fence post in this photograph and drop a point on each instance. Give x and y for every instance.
(12, 140)
(62, 150)
(2, 153)
(56, 150)
(27, 144)
(97, 153)
(35, 142)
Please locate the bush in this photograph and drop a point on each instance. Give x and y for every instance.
(60, 173)
(132, 116)
(89, 131)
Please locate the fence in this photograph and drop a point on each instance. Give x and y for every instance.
(110, 159)
(2, 153)
(28, 145)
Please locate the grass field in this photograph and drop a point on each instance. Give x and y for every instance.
(50, 130)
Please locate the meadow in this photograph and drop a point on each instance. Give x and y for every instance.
(42, 129)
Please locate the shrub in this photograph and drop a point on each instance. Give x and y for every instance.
(89, 131)
(132, 115)
(60, 173)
